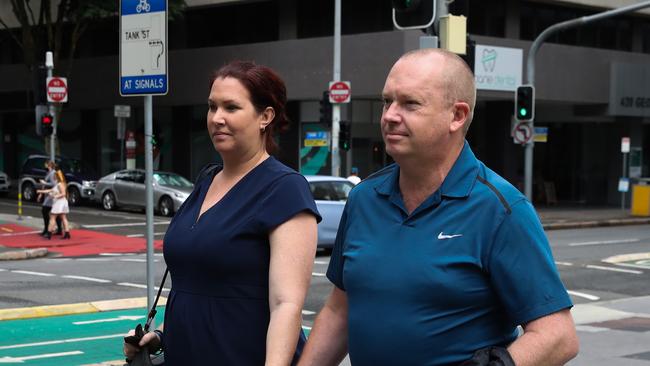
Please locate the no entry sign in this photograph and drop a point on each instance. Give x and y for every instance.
(340, 92)
(57, 89)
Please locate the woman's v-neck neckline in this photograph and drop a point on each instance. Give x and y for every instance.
(198, 216)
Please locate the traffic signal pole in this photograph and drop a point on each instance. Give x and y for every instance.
(49, 64)
(530, 72)
(336, 107)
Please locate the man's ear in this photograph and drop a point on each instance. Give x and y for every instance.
(267, 117)
(461, 113)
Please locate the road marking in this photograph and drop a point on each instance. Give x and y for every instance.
(308, 312)
(582, 294)
(2, 269)
(34, 273)
(137, 285)
(7, 229)
(306, 327)
(87, 278)
(604, 242)
(614, 269)
(139, 260)
(142, 235)
(108, 320)
(316, 274)
(60, 341)
(93, 259)
(21, 233)
(321, 262)
(98, 226)
(9, 359)
(564, 263)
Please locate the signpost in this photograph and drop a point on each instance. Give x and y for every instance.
(143, 71)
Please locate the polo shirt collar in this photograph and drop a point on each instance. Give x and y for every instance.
(458, 183)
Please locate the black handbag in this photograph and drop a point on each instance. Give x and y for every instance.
(144, 358)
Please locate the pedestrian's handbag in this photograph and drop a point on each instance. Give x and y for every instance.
(144, 358)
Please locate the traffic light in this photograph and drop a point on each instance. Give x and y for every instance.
(413, 14)
(46, 124)
(325, 109)
(525, 103)
(345, 136)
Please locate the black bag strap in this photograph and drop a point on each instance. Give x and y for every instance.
(152, 312)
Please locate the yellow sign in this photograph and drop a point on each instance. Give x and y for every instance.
(315, 142)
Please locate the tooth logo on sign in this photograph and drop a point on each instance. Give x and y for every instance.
(489, 59)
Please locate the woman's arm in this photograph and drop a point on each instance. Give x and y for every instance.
(293, 247)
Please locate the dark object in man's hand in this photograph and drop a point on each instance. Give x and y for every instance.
(490, 356)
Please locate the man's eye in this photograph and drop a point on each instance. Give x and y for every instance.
(387, 103)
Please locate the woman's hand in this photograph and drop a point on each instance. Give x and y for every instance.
(150, 339)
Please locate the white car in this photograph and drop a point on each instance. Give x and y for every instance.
(5, 183)
(331, 194)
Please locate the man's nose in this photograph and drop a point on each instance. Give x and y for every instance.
(391, 114)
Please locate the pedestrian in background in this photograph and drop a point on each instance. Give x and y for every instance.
(437, 258)
(240, 250)
(49, 182)
(354, 176)
(60, 210)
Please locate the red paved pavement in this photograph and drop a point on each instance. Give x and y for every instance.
(83, 242)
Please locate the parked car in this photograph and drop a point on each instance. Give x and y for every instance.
(125, 188)
(330, 194)
(4, 183)
(80, 177)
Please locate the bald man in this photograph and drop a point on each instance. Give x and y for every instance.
(437, 258)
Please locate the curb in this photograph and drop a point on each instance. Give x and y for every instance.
(78, 308)
(599, 223)
(23, 254)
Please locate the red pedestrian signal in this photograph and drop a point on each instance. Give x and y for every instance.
(47, 124)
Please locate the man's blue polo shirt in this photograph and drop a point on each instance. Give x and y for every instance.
(458, 274)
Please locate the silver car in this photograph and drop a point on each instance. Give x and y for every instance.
(330, 194)
(4, 183)
(125, 188)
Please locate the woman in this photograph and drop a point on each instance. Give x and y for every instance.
(240, 250)
(59, 211)
(49, 181)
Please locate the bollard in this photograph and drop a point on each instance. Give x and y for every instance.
(20, 206)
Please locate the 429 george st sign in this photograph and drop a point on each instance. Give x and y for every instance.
(143, 47)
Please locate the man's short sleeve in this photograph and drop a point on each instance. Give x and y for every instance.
(288, 196)
(335, 268)
(522, 269)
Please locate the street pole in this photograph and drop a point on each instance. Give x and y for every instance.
(530, 72)
(49, 64)
(148, 166)
(336, 107)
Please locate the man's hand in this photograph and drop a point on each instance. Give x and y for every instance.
(150, 339)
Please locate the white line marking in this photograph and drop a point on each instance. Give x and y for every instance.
(564, 263)
(582, 294)
(137, 285)
(9, 359)
(71, 340)
(93, 259)
(139, 260)
(2, 269)
(308, 312)
(142, 235)
(86, 278)
(316, 274)
(21, 233)
(590, 329)
(112, 254)
(107, 320)
(321, 262)
(604, 242)
(630, 265)
(34, 273)
(614, 269)
(123, 224)
(306, 327)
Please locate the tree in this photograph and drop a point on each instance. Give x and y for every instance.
(60, 22)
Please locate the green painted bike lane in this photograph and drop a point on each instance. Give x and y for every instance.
(68, 340)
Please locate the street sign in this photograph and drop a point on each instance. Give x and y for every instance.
(143, 47)
(625, 145)
(57, 89)
(623, 185)
(316, 138)
(522, 133)
(541, 134)
(123, 111)
(340, 92)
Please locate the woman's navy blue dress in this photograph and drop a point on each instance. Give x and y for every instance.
(218, 308)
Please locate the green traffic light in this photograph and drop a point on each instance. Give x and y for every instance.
(523, 112)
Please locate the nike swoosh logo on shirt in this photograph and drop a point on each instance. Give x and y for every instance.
(442, 236)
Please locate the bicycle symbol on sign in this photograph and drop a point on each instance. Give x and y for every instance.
(143, 6)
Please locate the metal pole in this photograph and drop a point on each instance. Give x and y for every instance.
(624, 176)
(336, 108)
(530, 69)
(49, 65)
(148, 166)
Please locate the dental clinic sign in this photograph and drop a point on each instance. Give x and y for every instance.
(143, 47)
(498, 68)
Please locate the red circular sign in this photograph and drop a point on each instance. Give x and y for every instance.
(57, 91)
(340, 92)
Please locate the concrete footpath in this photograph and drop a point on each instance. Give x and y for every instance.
(611, 332)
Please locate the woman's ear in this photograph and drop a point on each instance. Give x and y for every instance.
(267, 117)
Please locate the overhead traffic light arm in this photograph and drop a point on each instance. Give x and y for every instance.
(413, 14)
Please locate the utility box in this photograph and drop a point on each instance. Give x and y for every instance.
(640, 200)
(453, 33)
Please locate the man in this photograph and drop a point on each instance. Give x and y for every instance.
(437, 256)
(47, 183)
(354, 176)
